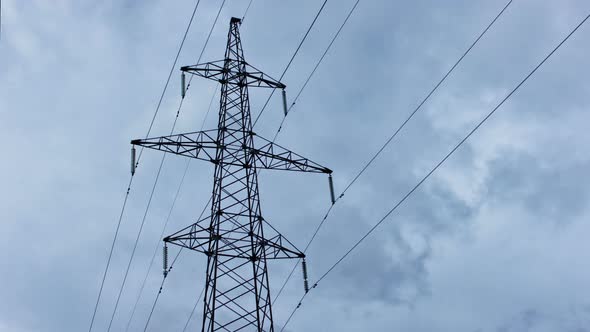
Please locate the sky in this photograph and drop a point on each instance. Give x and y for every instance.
(494, 241)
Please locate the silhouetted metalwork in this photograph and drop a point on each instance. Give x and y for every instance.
(237, 240)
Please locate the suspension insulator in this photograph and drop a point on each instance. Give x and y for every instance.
(285, 102)
(331, 182)
(165, 260)
(133, 160)
(183, 85)
(305, 282)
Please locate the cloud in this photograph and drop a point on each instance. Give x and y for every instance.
(494, 241)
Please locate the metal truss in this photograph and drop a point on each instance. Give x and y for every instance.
(201, 145)
(237, 240)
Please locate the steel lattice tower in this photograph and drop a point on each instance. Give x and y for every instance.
(237, 240)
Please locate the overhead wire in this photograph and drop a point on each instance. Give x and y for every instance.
(282, 75)
(160, 291)
(282, 122)
(316, 67)
(194, 309)
(167, 273)
(441, 162)
(115, 236)
(166, 223)
(144, 218)
(313, 71)
(292, 58)
(246, 11)
(121, 288)
(390, 139)
(156, 249)
(173, 204)
(304, 85)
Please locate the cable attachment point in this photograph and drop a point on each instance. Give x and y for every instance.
(305, 282)
(165, 260)
(331, 182)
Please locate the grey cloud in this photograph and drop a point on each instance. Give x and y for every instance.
(79, 79)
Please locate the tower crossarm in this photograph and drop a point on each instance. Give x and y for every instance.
(273, 156)
(234, 242)
(238, 72)
(201, 145)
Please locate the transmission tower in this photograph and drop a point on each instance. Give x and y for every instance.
(237, 240)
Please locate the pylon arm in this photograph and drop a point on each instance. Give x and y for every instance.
(274, 156)
(235, 243)
(201, 145)
(239, 73)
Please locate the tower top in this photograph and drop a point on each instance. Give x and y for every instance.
(235, 20)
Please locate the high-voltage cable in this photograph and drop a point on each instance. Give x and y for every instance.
(134, 166)
(123, 283)
(364, 168)
(235, 244)
(315, 68)
(166, 272)
(292, 58)
(284, 98)
(441, 162)
(166, 223)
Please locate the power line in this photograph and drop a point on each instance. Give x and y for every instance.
(208, 110)
(364, 168)
(292, 57)
(137, 163)
(299, 93)
(160, 291)
(166, 275)
(156, 248)
(166, 222)
(176, 196)
(285, 117)
(193, 311)
(316, 67)
(442, 161)
(122, 287)
(203, 289)
(209, 35)
(136, 242)
(226, 215)
(427, 97)
(246, 11)
(282, 75)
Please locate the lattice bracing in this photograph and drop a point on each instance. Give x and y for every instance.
(236, 238)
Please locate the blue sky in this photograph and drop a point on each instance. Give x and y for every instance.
(495, 241)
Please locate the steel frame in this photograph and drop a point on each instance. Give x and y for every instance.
(237, 294)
